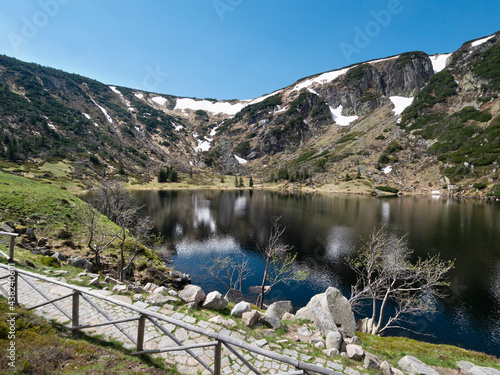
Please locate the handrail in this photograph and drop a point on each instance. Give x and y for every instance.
(226, 340)
(13, 236)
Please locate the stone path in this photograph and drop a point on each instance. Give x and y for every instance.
(154, 338)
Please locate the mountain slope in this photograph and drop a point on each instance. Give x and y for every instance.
(412, 121)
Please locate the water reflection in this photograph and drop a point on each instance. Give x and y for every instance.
(323, 230)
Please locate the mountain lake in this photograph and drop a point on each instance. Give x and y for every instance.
(323, 230)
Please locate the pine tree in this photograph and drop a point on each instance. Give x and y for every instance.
(241, 184)
(250, 183)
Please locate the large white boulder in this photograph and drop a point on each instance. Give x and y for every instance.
(330, 311)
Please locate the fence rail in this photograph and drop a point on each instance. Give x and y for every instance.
(13, 236)
(143, 315)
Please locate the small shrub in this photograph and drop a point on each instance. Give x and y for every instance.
(480, 185)
(49, 261)
(387, 189)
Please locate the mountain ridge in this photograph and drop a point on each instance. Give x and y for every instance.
(336, 124)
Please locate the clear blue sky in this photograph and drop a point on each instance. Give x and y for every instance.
(230, 48)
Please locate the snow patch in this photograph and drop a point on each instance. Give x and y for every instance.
(339, 118)
(87, 116)
(103, 110)
(240, 160)
(115, 90)
(400, 104)
(385, 59)
(178, 127)
(203, 145)
(262, 98)
(481, 41)
(387, 169)
(322, 79)
(159, 100)
(52, 126)
(206, 105)
(139, 95)
(439, 62)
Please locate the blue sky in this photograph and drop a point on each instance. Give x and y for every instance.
(228, 49)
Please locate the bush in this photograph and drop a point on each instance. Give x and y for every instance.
(387, 189)
(495, 190)
(480, 185)
(49, 261)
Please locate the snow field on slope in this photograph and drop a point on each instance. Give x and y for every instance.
(205, 105)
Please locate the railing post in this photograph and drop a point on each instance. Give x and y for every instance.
(15, 287)
(11, 249)
(217, 358)
(140, 332)
(75, 321)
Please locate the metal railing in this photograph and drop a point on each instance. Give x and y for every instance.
(156, 319)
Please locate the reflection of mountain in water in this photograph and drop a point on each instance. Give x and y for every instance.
(198, 225)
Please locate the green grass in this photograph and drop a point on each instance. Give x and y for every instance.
(393, 349)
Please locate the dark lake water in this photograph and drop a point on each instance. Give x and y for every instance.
(198, 225)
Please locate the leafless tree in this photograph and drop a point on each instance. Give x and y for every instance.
(113, 201)
(385, 273)
(98, 236)
(280, 263)
(228, 272)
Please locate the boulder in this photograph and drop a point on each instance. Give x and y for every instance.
(95, 282)
(109, 280)
(414, 366)
(288, 316)
(330, 311)
(386, 368)
(478, 370)
(157, 299)
(320, 345)
(355, 352)
(150, 287)
(371, 362)
(240, 308)
(280, 308)
(30, 233)
(270, 322)
(121, 288)
(250, 318)
(465, 365)
(332, 352)
(215, 301)
(234, 296)
(60, 257)
(5, 227)
(334, 340)
(192, 293)
(304, 331)
(160, 290)
(81, 263)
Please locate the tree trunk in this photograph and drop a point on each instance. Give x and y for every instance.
(376, 329)
(261, 301)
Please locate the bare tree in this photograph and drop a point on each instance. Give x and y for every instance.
(228, 272)
(98, 236)
(280, 263)
(384, 274)
(113, 201)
